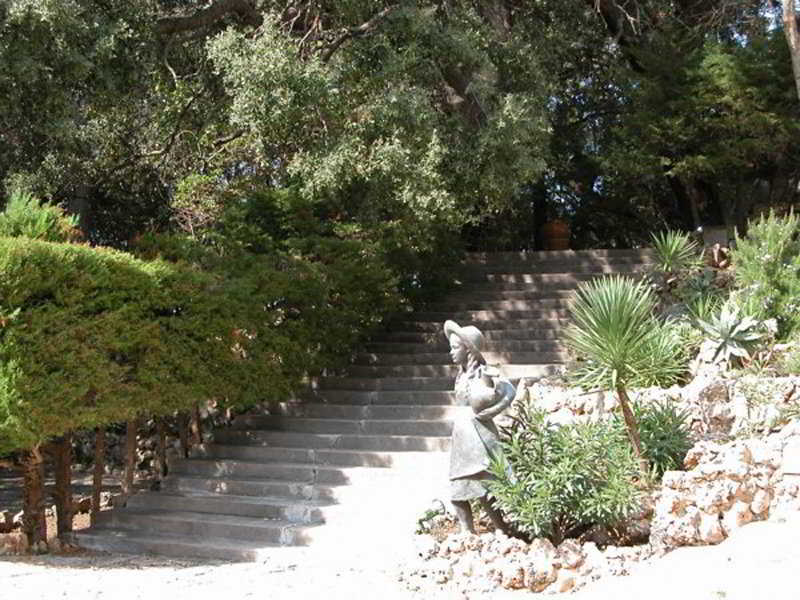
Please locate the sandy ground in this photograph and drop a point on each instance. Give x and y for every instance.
(759, 562)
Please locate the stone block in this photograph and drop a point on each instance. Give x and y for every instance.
(791, 456)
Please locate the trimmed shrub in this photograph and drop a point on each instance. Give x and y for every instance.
(90, 336)
(307, 308)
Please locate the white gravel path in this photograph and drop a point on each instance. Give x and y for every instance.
(759, 562)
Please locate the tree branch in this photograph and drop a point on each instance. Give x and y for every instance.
(210, 15)
(361, 30)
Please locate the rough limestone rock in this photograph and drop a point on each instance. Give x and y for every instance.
(725, 487)
(542, 570)
(479, 564)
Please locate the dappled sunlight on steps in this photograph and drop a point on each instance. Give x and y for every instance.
(368, 450)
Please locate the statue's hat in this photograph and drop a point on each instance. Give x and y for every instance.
(470, 335)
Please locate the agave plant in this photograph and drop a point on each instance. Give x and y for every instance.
(734, 334)
(621, 342)
(675, 251)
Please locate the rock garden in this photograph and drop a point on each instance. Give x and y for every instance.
(718, 427)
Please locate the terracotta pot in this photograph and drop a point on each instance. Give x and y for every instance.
(555, 235)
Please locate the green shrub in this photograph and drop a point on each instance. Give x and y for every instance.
(314, 302)
(557, 482)
(665, 435)
(767, 271)
(25, 216)
(90, 336)
(74, 329)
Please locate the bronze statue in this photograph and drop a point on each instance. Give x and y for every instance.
(475, 437)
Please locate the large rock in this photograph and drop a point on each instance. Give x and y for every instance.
(725, 487)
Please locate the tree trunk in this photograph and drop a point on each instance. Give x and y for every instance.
(130, 459)
(99, 469)
(791, 29)
(183, 433)
(197, 426)
(34, 525)
(62, 492)
(161, 448)
(633, 431)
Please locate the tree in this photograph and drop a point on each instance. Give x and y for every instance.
(791, 29)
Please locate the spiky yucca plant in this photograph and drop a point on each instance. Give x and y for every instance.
(621, 342)
(675, 251)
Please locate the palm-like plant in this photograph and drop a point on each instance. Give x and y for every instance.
(615, 332)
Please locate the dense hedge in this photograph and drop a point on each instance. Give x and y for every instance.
(83, 339)
(92, 336)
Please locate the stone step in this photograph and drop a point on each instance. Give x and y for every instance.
(389, 350)
(376, 359)
(386, 383)
(379, 398)
(537, 256)
(136, 542)
(437, 339)
(499, 336)
(465, 304)
(210, 526)
(291, 439)
(541, 281)
(292, 510)
(618, 265)
(446, 367)
(311, 474)
(487, 326)
(264, 488)
(363, 412)
(420, 427)
(341, 458)
(466, 293)
(368, 482)
(479, 317)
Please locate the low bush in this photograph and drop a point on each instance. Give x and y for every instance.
(665, 435)
(25, 216)
(557, 482)
(767, 271)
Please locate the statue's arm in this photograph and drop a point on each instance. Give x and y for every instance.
(505, 390)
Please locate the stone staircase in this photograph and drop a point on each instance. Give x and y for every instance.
(358, 463)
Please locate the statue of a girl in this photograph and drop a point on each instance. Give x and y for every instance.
(475, 437)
